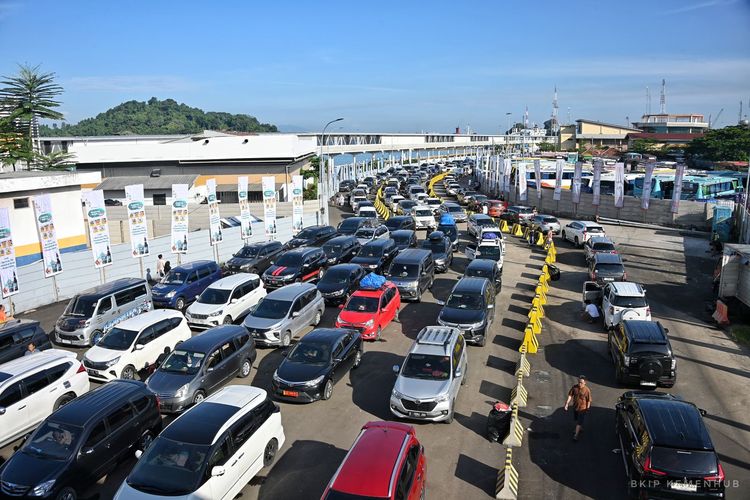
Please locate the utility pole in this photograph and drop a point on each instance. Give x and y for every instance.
(663, 97)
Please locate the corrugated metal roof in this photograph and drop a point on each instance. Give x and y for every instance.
(163, 182)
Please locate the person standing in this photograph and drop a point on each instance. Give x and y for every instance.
(580, 396)
(160, 262)
(167, 268)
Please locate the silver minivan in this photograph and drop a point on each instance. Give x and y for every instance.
(284, 313)
(92, 313)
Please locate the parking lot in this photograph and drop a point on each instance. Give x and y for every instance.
(712, 371)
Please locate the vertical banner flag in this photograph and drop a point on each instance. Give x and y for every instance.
(96, 213)
(507, 167)
(677, 192)
(297, 204)
(8, 273)
(137, 220)
(522, 181)
(269, 205)
(538, 178)
(646, 194)
(596, 188)
(500, 176)
(246, 226)
(619, 184)
(45, 224)
(214, 217)
(179, 218)
(576, 186)
(558, 179)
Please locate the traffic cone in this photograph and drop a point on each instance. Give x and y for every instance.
(504, 227)
(517, 231)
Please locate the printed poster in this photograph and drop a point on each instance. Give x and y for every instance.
(297, 204)
(558, 179)
(538, 178)
(137, 220)
(677, 192)
(45, 225)
(214, 218)
(246, 226)
(8, 272)
(597, 182)
(522, 181)
(576, 185)
(269, 205)
(619, 184)
(179, 218)
(500, 175)
(646, 194)
(96, 214)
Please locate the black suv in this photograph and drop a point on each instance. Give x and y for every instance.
(606, 267)
(400, 222)
(340, 281)
(341, 249)
(253, 258)
(470, 308)
(485, 268)
(376, 255)
(296, 265)
(17, 334)
(83, 441)
(351, 225)
(311, 236)
(666, 448)
(642, 354)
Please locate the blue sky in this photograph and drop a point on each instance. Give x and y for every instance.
(401, 66)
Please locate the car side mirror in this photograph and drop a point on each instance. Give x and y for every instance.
(341, 306)
(138, 454)
(295, 314)
(702, 412)
(197, 297)
(337, 360)
(666, 330)
(440, 302)
(2, 410)
(138, 347)
(218, 470)
(284, 354)
(458, 373)
(234, 301)
(396, 369)
(87, 450)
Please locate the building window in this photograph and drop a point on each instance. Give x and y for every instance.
(160, 199)
(20, 203)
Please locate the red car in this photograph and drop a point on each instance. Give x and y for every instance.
(386, 461)
(496, 208)
(370, 311)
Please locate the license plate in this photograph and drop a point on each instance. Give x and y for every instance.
(608, 279)
(63, 341)
(417, 414)
(92, 372)
(291, 394)
(683, 486)
(649, 384)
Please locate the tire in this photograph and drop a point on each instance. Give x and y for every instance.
(64, 399)
(227, 320)
(618, 375)
(96, 336)
(146, 439)
(254, 271)
(245, 368)
(449, 420)
(269, 453)
(199, 397)
(565, 238)
(128, 373)
(67, 493)
(378, 334)
(316, 320)
(483, 342)
(576, 242)
(179, 304)
(327, 390)
(418, 298)
(357, 360)
(286, 339)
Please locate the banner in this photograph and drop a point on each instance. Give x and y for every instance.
(179, 218)
(576, 185)
(246, 226)
(597, 182)
(538, 178)
(8, 277)
(677, 192)
(96, 214)
(500, 176)
(558, 179)
(522, 181)
(137, 220)
(214, 218)
(297, 204)
(646, 193)
(507, 168)
(619, 184)
(45, 224)
(269, 205)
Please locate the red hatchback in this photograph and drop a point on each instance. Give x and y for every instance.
(496, 208)
(370, 311)
(386, 461)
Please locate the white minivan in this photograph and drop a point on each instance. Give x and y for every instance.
(135, 344)
(211, 451)
(225, 301)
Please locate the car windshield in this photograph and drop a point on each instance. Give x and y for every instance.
(427, 366)
(214, 296)
(435, 246)
(371, 251)
(423, 212)
(621, 301)
(603, 247)
(181, 361)
(118, 339)
(310, 353)
(609, 268)
(403, 270)
(349, 225)
(81, 306)
(358, 303)
(449, 230)
(455, 209)
(478, 273)
(271, 308)
(332, 249)
(408, 204)
(491, 252)
(53, 441)
(401, 239)
(549, 220)
(595, 229)
(473, 302)
(336, 276)
(169, 468)
(365, 232)
(486, 222)
(175, 277)
(247, 252)
(290, 260)
(306, 234)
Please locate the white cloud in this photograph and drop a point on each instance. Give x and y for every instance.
(698, 6)
(131, 83)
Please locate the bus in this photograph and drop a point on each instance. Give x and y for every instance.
(694, 187)
(549, 176)
(607, 183)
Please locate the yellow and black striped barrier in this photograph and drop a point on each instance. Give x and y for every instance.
(506, 487)
(523, 367)
(515, 435)
(519, 395)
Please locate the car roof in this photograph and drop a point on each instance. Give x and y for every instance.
(112, 286)
(212, 338)
(608, 258)
(435, 340)
(291, 292)
(451, 204)
(481, 264)
(329, 335)
(470, 284)
(628, 288)
(229, 282)
(400, 218)
(344, 267)
(353, 219)
(645, 332)
(14, 324)
(262, 244)
(196, 264)
(379, 242)
(599, 239)
(89, 406)
(148, 318)
(411, 256)
(402, 232)
(343, 238)
(303, 250)
(674, 423)
(482, 217)
(24, 364)
(589, 223)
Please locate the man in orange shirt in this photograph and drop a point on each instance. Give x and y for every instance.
(580, 396)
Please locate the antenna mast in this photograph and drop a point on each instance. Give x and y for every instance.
(663, 98)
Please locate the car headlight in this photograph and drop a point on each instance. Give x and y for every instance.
(171, 294)
(42, 489)
(337, 293)
(442, 398)
(246, 267)
(372, 266)
(113, 361)
(396, 394)
(369, 323)
(315, 381)
(440, 262)
(474, 326)
(182, 391)
(276, 377)
(411, 284)
(216, 313)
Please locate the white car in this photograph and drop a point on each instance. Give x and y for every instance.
(34, 386)
(211, 451)
(356, 200)
(422, 198)
(364, 187)
(414, 191)
(368, 212)
(453, 188)
(579, 231)
(225, 301)
(366, 234)
(622, 300)
(424, 218)
(394, 202)
(135, 344)
(433, 203)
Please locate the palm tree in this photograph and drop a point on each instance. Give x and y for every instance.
(56, 160)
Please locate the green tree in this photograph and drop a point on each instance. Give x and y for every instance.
(57, 160)
(547, 146)
(724, 144)
(644, 146)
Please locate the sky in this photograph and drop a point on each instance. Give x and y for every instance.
(390, 66)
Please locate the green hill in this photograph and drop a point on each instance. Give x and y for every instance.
(157, 117)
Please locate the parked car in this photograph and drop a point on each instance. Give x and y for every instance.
(400, 222)
(183, 283)
(93, 312)
(367, 212)
(253, 258)
(405, 207)
(666, 448)
(371, 233)
(642, 354)
(545, 223)
(297, 265)
(17, 334)
(414, 191)
(479, 203)
(341, 249)
(135, 344)
(370, 311)
(225, 301)
(392, 459)
(428, 382)
(404, 238)
(470, 308)
(240, 433)
(605, 267)
(450, 230)
(395, 203)
(284, 313)
(496, 208)
(82, 442)
(33, 387)
(618, 300)
(350, 225)
(434, 204)
(485, 268)
(578, 231)
(598, 244)
(311, 236)
(518, 214)
(319, 360)
(340, 281)
(442, 250)
(424, 218)
(413, 272)
(376, 255)
(454, 210)
(477, 222)
(201, 365)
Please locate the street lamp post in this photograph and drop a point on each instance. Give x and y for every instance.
(321, 198)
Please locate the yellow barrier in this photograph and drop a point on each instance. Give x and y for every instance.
(517, 231)
(506, 487)
(519, 395)
(526, 232)
(515, 436)
(504, 226)
(523, 367)
(529, 340)
(536, 325)
(540, 240)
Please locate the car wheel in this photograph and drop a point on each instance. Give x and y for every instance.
(328, 390)
(199, 397)
(418, 298)
(449, 420)
(576, 241)
(128, 373)
(179, 304)
(253, 271)
(357, 359)
(67, 493)
(245, 368)
(96, 337)
(564, 237)
(483, 342)
(286, 339)
(227, 320)
(316, 320)
(146, 439)
(379, 333)
(618, 375)
(269, 454)
(65, 399)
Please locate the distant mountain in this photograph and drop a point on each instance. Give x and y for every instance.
(157, 117)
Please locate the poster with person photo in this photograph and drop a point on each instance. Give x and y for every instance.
(246, 226)
(45, 224)
(96, 214)
(134, 201)
(8, 270)
(179, 218)
(269, 206)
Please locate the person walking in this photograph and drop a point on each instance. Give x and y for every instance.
(580, 396)
(160, 262)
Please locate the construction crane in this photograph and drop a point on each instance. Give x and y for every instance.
(715, 120)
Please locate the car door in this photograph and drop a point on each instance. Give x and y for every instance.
(339, 362)
(308, 307)
(222, 456)
(14, 413)
(123, 430)
(606, 303)
(40, 396)
(388, 309)
(407, 483)
(96, 453)
(237, 300)
(148, 351)
(231, 358)
(105, 313)
(215, 371)
(20, 343)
